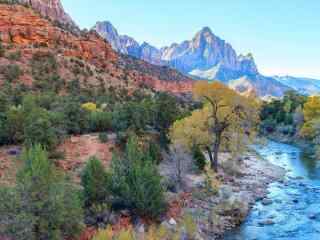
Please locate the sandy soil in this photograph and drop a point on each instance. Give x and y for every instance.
(76, 151)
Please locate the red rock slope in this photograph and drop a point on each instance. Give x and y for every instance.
(26, 30)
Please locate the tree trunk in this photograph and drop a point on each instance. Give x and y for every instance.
(216, 147)
(210, 156)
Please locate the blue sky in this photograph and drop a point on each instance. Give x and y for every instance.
(283, 35)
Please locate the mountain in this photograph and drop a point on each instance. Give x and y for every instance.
(51, 9)
(205, 56)
(84, 56)
(127, 45)
(306, 86)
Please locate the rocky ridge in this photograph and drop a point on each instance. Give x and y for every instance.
(205, 56)
(29, 33)
(51, 9)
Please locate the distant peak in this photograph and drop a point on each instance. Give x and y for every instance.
(145, 44)
(249, 56)
(206, 30)
(105, 24)
(206, 33)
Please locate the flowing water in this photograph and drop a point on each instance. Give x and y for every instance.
(294, 210)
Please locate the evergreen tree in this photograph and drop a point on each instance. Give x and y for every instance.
(136, 182)
(44, 205)
(94, 182)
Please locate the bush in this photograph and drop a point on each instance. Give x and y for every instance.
(2, 50)
(14, 125)
(3, 132)
(99, 121)
(11, 72)
(43, 205)
(75, 118)
(14, 56)
(103, 137)
(154, 152)
(135, 182)
(199, 158)
(94, 182)
(38, 129)
(90, 107)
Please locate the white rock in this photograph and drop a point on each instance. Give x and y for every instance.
(172, 221)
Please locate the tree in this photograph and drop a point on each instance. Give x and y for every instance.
(226, 117)
(177, 164)
(38, 129)
(166, 111)
(311, 113)
(135, 181)
(43, 204)
(94, 182)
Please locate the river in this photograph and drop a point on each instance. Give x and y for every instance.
(292, 211)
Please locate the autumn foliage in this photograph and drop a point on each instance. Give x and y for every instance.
(224, 121)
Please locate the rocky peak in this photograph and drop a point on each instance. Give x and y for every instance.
(248, 65)
(52, 9)
(206, 56)
(131, 46)
(205, 34)
(110, 33)
(150, 54)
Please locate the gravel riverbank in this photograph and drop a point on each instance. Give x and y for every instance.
(216, 214)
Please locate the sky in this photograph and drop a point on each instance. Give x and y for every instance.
(282, 35)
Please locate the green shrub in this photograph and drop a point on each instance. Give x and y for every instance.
(99, 121)
(14, 56)
(43, 205)
(3, 132)
(94, 182)
(154, 152)
(103, 137)
(199, 158)
(14, 125)
(75, 118)
(2, 50)
(37, 125)
(136, 182)
(38, 129)
(11, 72)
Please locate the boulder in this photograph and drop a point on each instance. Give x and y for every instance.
(266, 201)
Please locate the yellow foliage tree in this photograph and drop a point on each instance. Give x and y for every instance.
(311, 114)
(104, 234)
(225, 120)
(90, 107)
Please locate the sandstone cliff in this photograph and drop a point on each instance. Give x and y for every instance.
(27, 32)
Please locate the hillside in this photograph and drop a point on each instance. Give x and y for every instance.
(27, 37)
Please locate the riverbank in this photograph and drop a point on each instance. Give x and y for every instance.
(217, 214)
(291, 211)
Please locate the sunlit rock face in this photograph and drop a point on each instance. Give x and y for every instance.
(52, 9)
(205, 56)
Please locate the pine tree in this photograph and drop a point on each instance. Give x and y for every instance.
(94, 182)
(44, 205)
(136, 182)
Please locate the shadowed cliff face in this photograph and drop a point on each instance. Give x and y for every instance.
(29, 33)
